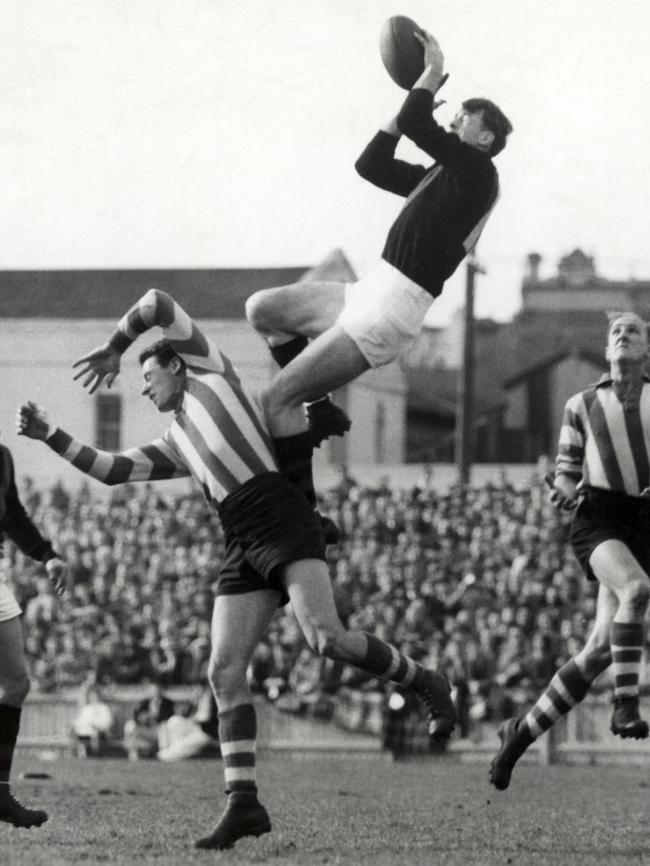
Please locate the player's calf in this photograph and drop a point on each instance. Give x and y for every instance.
(244, 816)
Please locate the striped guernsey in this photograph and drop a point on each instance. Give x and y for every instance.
(218, 435)
(604, 442)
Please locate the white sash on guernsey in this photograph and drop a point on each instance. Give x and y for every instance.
(471, 239)
(426, 180)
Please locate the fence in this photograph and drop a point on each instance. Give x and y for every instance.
(360, 722)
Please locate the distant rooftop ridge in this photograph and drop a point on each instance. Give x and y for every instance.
(206, 293)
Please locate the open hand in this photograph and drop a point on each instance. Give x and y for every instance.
(31, 421)
(433, 55)
(434, 60)
(102, 364)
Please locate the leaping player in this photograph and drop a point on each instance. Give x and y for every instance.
(371, 322)
(275, 549)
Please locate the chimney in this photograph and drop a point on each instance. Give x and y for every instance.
(534, 260)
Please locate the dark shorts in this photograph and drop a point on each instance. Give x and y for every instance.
(267, 523)
(603, 516)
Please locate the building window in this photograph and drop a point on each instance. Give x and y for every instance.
(108, 422)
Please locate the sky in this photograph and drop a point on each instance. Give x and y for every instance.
(223, 133)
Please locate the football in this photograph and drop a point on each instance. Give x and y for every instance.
(401, 53)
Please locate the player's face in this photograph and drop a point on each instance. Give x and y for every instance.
(627, 339)
(164, 386)
(469, 128)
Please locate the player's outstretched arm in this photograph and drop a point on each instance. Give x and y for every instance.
(155, 461)
(433, 77)
(415, 118)
(154, 309)
(157, 308)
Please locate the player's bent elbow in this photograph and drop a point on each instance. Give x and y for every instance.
(367, 171)
(255, 309)
(159, 300)
(360, 168)
(152, 296)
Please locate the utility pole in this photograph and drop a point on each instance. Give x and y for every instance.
(465, 397)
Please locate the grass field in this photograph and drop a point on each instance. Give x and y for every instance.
(346, 810)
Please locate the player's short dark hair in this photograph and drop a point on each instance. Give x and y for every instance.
(162, 351)
(493, 119)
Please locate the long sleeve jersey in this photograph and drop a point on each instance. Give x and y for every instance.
(447, 204)
(218, 435)
(604, 443)
(15, 523)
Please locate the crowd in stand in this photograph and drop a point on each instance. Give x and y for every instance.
(478, 581)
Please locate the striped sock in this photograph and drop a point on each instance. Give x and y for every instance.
(294, 454)
(626, 640)
(9, 725)
(384, 661)
(567, 688)
(237, 740)
(286, 352)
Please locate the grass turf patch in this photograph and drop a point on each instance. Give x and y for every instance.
(336, 809)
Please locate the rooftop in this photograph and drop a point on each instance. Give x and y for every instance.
(211, 293)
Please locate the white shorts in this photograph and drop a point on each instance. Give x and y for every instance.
(9, 607)
(383, 313)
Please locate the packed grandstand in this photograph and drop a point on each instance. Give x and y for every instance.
(478, 581)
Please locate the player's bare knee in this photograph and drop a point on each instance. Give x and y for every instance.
(225, 674)
(636, 595)
(270, 406)
(256, 308)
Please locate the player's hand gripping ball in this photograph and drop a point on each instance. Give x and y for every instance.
(402, 53)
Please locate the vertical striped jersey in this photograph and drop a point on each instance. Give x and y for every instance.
(218, 435)
(604, 442)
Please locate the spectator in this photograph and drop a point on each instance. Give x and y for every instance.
(144, 732)
(192, 731)
(93, 724)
